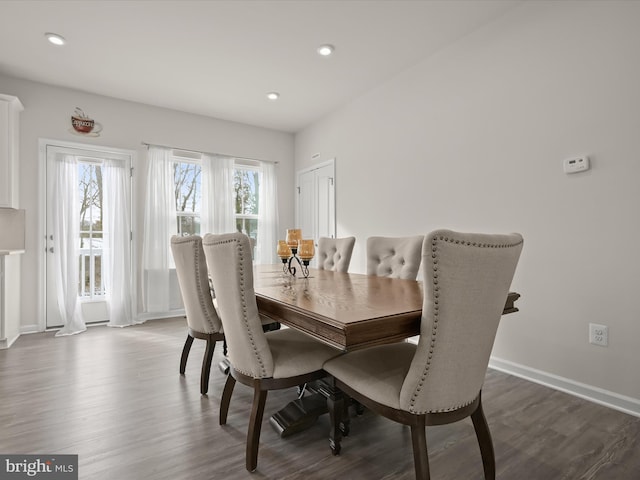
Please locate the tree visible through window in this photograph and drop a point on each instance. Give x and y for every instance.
(90, 208)
(188, 195)
(246, 187)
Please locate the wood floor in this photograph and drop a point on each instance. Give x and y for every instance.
(115, 397)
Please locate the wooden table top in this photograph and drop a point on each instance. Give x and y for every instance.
(345, 310)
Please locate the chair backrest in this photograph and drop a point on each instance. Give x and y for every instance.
(335, 253)
(193, 279)
(467, 278)
(395, 257)
(229, 260)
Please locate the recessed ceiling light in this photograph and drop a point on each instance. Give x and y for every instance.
(325, 50)
(273, 95)
(55, 39)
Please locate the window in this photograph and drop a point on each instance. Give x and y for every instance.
(188, 194)
(90, 208)
(246, 183)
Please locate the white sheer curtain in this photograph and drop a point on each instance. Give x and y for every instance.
(66, 237)
(218, 209)
(116, 254)
(159, 226)
(268, 218)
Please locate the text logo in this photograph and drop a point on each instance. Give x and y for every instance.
(50, 467)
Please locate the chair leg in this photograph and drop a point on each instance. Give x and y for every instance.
(336, 403)
(484, 440)
(226, 398)
(345, 424)
(255, 425)
(206, 366)
(185, 354)
(420, 455)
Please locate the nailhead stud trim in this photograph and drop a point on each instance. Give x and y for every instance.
(436, 309)
(245, 316)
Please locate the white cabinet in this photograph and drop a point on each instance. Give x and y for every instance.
(9, 298)
(10, 108)
(11, 246)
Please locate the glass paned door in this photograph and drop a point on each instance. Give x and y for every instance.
(88, 215)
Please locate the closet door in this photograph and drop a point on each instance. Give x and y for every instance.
(316, 205)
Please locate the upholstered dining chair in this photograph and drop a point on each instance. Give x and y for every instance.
(395, 257)
(202, 319)
(264, 361)
(466, 281)
(335, 253)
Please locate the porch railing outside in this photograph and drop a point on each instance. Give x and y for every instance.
(90, 283)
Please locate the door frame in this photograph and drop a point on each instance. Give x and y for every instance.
(42, 218)
(331, 162)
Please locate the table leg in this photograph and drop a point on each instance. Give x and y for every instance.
(299, 414)
(303, 412)
(339, 422)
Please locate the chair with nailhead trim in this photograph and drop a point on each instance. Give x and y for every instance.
(264, 361)
(335, 253)
(466, 282)
(202, 319)
(395, 257)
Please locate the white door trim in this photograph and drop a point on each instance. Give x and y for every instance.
(42, 217)
(331, 162)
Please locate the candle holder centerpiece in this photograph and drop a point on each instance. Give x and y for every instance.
(295, 250)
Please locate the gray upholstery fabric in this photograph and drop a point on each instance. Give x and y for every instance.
(295, 353)
(395, 257)
(335, 253)
(277, 354)
(193, 279)
(376, 372)
(466, 281)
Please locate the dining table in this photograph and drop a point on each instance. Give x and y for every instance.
(347, 311)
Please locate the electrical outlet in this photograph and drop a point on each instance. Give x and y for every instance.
(575, 165)
(598, 334)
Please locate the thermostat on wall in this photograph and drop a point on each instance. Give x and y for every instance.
(575, 165)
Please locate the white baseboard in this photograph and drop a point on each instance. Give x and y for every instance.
(143, 317)
(140, 318)
(7, 342)
(597, 395)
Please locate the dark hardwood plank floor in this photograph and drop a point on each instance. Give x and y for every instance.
(115, 397)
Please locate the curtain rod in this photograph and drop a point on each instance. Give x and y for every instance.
(208, 153)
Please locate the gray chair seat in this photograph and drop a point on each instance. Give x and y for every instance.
(295, 353)
(376, 372)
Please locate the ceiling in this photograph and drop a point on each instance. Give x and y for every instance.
(220, 58)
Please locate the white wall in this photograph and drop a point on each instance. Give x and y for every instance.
(46, 114)
(473, 139)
